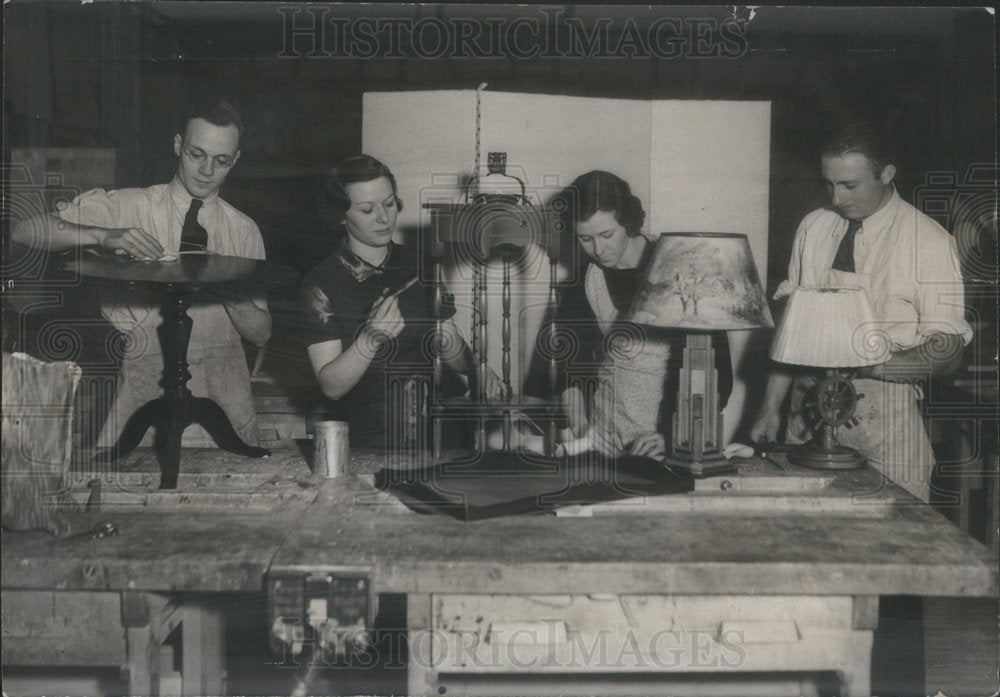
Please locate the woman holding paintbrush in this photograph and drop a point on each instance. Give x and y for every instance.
(372, 320)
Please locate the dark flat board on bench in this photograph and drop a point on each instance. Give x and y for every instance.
(496, 483)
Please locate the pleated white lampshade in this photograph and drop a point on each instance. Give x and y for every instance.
(830, 328)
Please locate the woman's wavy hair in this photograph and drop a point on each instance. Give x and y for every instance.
(333, 200)
(595, 191)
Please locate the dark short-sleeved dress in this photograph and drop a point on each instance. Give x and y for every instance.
(339, 294)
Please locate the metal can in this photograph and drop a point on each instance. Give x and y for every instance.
(332, 448)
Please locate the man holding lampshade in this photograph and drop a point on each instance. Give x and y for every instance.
(868, 237)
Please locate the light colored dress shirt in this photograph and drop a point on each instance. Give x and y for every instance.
(906, 261)
(909, 267)
(216, 359)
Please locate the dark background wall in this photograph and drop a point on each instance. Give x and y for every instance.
(118, 74)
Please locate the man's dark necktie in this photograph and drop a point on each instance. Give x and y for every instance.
(844, 261)
(193, 236)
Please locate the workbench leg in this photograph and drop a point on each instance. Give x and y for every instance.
(141, 619)
(140, 661)
(421, 678)
(204, 651)
(856, 677)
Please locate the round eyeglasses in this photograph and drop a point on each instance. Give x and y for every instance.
(199, 157)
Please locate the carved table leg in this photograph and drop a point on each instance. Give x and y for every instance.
(213, 419)
(175, 335)
(177, 408)
(149, 414)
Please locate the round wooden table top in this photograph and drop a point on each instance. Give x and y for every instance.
(190, 269)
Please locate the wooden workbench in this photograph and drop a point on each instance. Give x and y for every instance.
(761, 573)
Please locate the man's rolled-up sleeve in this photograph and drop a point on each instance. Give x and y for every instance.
(794, 278)
(940, 290)
(96, 207)
(254, 244)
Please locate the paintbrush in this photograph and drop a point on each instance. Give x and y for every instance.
(399, 291)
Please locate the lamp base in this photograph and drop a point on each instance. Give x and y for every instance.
(837, 457)
(706, 467)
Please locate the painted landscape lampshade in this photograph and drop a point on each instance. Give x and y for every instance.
(702, 281)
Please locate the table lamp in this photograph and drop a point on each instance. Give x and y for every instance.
(700, 282)
(830, 328)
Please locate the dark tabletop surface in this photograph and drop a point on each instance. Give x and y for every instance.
(189, 269)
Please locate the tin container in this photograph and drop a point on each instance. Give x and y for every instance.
(332, 441)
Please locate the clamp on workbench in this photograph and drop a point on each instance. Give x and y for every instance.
(331, 611)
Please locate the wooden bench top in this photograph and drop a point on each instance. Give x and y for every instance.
(770, 532)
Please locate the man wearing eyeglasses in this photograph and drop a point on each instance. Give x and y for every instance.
(185, 215)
